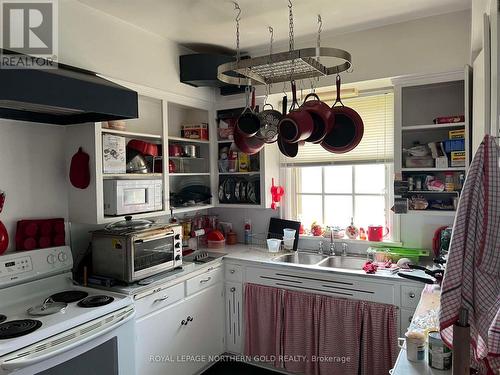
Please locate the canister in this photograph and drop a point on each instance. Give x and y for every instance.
(439, 355)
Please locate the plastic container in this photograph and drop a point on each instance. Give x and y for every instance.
(289, 233)
(273, 245)
(288, 243)
(216, 244)
(396, 253)
(419, 162)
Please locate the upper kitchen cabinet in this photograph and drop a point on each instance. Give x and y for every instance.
(242, 181)
(132, 168)
(432, 141)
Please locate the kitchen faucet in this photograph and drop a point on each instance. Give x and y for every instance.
(332, 248)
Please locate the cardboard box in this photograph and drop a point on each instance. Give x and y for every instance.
(114, 158)
(195, 131)
(456, 134)
(458, 158)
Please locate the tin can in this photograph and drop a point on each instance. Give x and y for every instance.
(439, 355)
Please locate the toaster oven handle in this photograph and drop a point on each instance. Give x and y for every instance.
(154, 237)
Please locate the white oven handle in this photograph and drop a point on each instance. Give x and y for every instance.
(17, 360)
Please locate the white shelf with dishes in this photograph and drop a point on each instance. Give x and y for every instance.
(160, 117)
(431, 141)
(241, 181)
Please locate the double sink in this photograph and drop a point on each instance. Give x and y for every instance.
(319, 260)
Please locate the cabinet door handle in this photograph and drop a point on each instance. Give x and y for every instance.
(183, 323)
(411, 295)
(186, 321)
(205, 280)
(233, 289)
(232, 271)
(189, 318)
(161, 299)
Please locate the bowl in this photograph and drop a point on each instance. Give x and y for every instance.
(216, 244)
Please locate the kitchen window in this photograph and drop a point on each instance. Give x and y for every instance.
(330, 189)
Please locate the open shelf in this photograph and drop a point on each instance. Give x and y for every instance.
(184, 158)
(432, 192)
(132, 176)
(188, 140)
(179, 210)
(432, 169)
(433, 126)
(190, 174)
(128, 134)
(432, 212)
(238, 173)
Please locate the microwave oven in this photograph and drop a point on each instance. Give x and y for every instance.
(130, 255)
(124, 197)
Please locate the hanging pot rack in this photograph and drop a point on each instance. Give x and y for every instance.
(284, 66)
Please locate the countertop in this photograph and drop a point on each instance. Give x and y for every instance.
(236, 253)
(429, 300)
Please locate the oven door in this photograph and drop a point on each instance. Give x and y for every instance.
(152, 255)
(104, 346)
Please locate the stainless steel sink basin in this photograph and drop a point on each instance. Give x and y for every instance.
(345, 262)
(301, 258)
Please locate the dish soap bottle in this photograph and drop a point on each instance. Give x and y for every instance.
(248, 231)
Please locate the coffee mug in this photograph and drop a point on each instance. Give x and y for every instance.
(415, 348)
(376, 232)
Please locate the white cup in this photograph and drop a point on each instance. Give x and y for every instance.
(273, 245)
(289, 233)
(415, 348)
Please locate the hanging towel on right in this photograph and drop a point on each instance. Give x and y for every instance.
(472, 276)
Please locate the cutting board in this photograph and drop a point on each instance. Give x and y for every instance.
(277, 225)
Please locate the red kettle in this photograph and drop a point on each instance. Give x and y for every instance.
(4, 235)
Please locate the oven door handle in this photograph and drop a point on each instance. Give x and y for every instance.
(163, 235)
(14, 363)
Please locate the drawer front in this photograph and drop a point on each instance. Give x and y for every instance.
(234, 272)
(321, 283)
(203, 281)
(159, 299)
(410, 295)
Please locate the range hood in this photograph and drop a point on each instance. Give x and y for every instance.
(63, 96)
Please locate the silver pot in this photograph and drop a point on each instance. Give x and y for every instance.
(190, 151)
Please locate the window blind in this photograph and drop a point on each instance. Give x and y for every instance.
(377, 112)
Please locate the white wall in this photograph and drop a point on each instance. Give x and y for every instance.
(32, 173)
(427, 45)
(91, 39)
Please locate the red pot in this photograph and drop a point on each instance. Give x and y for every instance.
(4, 238)
(297, 125)
(323, 118)
(247, 145)
(174, 150)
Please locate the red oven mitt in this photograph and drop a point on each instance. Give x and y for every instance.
(79, 172)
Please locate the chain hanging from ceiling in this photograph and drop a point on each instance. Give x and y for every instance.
(296, 64)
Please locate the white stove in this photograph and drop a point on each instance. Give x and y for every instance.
(91, 331)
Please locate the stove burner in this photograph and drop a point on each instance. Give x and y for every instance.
(2, 318)
(16, 328)
(95, 301)
(69, 296)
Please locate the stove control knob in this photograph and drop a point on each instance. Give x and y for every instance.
(177, 257)
(51, 259)
(62, 256)
(177, 236)
(177, 245)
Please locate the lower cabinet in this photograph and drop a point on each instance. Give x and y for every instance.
(180, 338)
(234, 317)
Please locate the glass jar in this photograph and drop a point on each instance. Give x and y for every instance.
(449, 184)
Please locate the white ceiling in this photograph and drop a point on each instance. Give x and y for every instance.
(192, 22)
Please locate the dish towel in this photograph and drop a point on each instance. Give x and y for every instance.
(472, 276)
